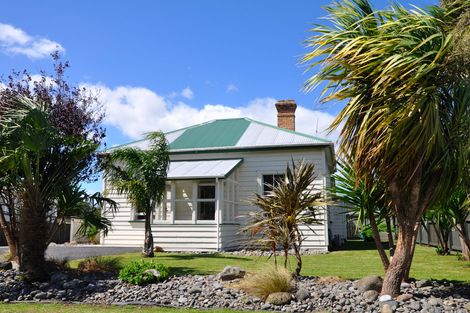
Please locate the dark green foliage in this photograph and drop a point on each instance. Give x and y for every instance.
(366, 231)
(141, 176)
(134, 273)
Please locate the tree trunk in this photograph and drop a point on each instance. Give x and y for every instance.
(33, 231)
(378, 243)
(298, 256)
(409, 206)
(286, 255)
(406, 277)
(464, 241)
(465, 248)
(148, 242)
(10, 239)
(391, 244)
(401, 261)
(439, 238)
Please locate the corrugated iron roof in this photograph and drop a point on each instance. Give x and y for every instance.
(237, 133)
(202, 169)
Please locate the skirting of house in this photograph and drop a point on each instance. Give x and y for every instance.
(195, 237)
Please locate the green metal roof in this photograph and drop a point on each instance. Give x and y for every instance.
(219, 133)
(236, 133)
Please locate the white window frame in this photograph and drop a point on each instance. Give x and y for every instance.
(198, 200)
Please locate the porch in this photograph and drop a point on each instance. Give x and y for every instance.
(200, 207)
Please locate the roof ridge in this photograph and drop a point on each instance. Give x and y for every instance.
(289, 131)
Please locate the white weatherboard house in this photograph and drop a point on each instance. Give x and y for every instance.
(216, 167)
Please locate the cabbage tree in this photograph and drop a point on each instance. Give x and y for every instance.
(292, 202)
(404, 77)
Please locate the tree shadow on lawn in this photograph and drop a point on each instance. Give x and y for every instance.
(357, 245)
(182, 271)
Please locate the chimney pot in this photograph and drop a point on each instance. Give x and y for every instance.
(286, 114)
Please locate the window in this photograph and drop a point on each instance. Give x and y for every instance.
(206, 202)
(271, 180)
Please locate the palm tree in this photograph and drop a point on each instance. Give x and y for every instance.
(141, 175)
(38, 163)
(293, 202)
(367, 201)
(404, 75)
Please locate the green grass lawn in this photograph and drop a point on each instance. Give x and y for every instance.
(78, 308)
(354, 261)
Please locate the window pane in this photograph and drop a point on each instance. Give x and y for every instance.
(277, 179)
(267, 183)
(206, 192)
(183, 211)
(206, 210)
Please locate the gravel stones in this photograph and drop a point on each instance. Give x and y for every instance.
(370, 296)
(302, 294)
(231, 273)
(384, 298)
(369, 283)
(404, 297)
(209, 292)
(279, 298)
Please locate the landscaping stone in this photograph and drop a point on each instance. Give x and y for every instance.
(422, 283)
(384, 298)
(231, 273)
(153, 272)
(369, 283)
(387, 308)
(370, 296)
(209, 292)
(5, 266)
(302, 294)
(404, 297)
(279, 298)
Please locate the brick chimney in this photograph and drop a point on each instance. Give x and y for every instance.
(286, 114)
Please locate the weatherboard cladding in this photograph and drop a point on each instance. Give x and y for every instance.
(237, 133)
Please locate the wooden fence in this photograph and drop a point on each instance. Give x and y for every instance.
(427, 235)
(62, 235)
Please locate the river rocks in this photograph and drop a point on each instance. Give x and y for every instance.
(231, 273)
(387, 308)
(155, 273)
(370, 296)
(404, 297)
(302, 294)
(279, 298)
(369, 283)
(59, 277)
(422, 283)
(5, 266)
(209, 292)
(385, 298)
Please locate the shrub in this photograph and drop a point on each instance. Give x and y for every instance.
(267, 281)
(137, 272)
(366, 232)
(100, 264)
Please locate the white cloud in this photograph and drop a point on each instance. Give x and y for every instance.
(16, 41)
(232, 88)
(187, 93)
(135, 111)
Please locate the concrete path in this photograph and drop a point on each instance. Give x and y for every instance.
(81, 251)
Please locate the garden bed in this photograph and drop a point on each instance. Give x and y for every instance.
(209, 292)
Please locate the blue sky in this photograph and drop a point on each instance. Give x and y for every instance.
(169, 64)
